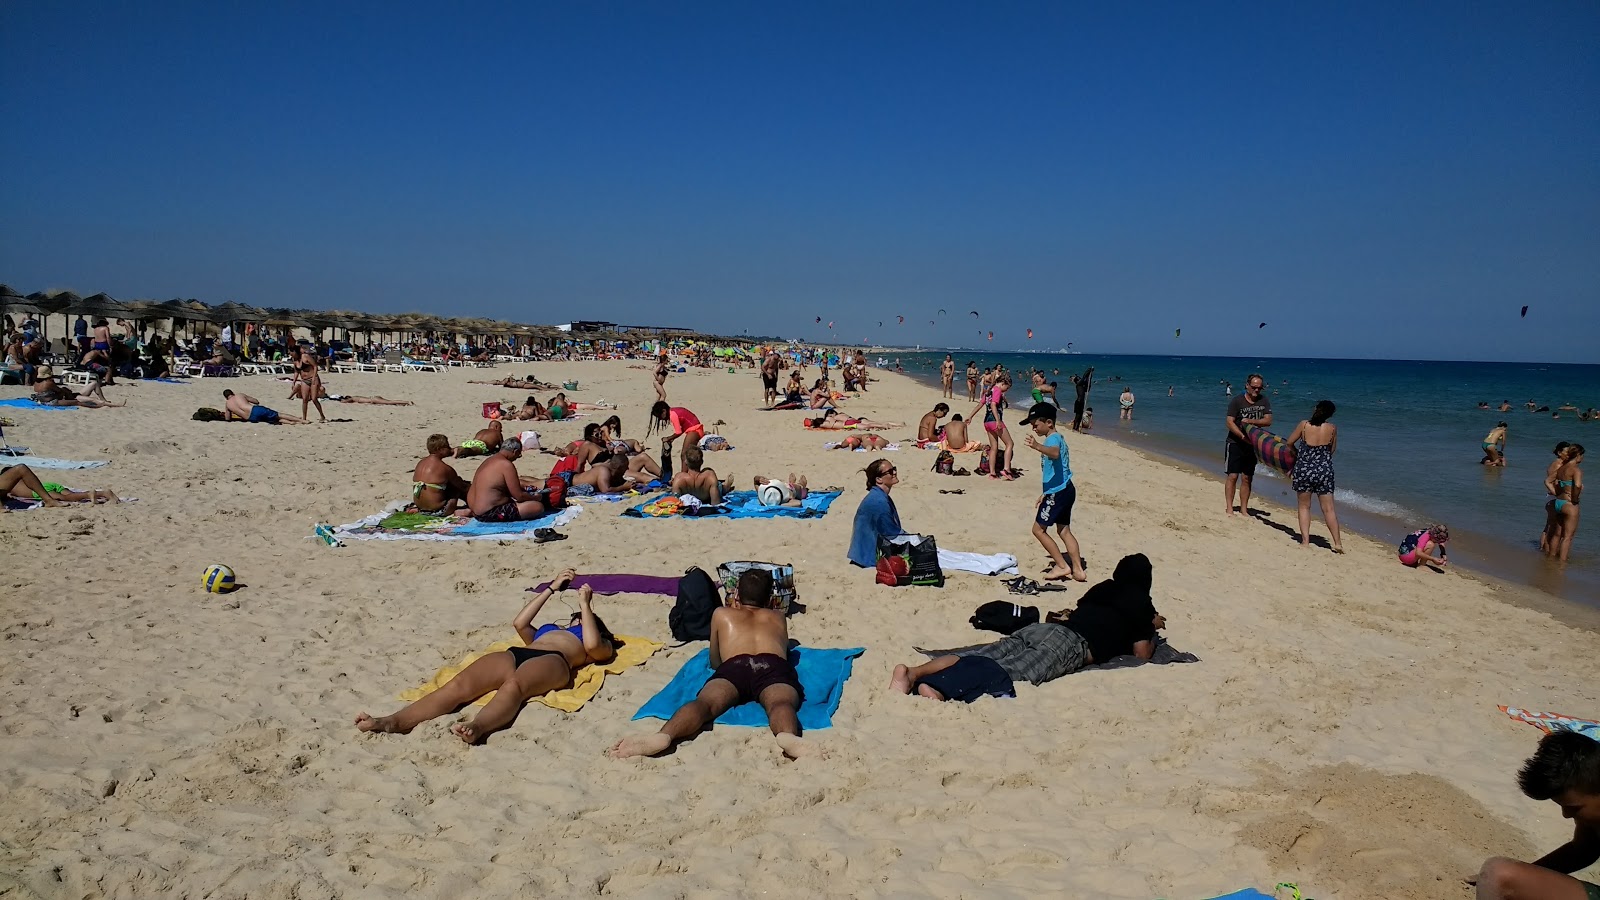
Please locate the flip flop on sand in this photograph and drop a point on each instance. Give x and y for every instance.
(545, 535)
(956, 491)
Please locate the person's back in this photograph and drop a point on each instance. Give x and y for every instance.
(747, 631)
(488, 484)
(955, 432)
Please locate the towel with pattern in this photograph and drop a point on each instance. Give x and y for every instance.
(395, 524)
(737, 505)
(1549, 721)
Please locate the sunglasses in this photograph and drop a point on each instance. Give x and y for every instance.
(890, 471)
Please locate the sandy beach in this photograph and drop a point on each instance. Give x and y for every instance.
(1340, 732)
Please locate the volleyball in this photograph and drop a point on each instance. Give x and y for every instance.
(218, 579)
(772, 494)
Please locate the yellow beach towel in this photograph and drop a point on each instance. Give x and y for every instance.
(585, 683)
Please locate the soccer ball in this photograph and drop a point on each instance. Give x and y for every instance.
(217, 578)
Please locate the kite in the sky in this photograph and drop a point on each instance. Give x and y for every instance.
(1069, 345)
(819, 320)
(880, 324)
(1178, 333)
(830, 324)
(1030, 334)
(902, 319)
(941, 312)
(975, 314)
(1262, 325)
(1524, 312)
(930, 322)
(991, 335)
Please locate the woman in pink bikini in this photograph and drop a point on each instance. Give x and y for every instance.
(993, 405)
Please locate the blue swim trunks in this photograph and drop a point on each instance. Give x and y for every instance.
(259, 413)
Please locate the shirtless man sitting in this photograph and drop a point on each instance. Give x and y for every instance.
(955, 436)
(750, 656)
(238, 407)
(436, 487)
(497, 493)
(484, 442)
(698, 481)
(928, 428)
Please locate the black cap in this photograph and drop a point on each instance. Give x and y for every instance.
(1040, 411)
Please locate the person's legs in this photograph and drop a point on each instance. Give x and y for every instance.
(1245, 481)
(1569, 530)
(1006, 458)
(1303, 499)
(537, 676)
(1043, 517)
(1508, 879)
(1074, 555)
(1331, 518)
(20, 474)
(782, 703)
(1547, 536)
(1228, 485)
(470, 683)
(905, 676)
(716, 698)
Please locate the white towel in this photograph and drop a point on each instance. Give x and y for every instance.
(977, 563)
(45, 462)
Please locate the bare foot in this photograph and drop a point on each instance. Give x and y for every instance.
(795, 747)
(931, 693)
(1080, 575)
(1057, 575)
(384, 724)
(643, 745)
(466, 732)
(900, 683)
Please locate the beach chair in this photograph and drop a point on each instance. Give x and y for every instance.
(412, 365)
(394, 361)
(76, 376)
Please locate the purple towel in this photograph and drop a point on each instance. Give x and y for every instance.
(622, 584)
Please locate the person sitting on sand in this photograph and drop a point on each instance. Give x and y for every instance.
(955, 437)
(1416, 549)
(61, 493)
(641, 468)
(795, 489)
(237, 407)
(592, 448)
(750, 659)
(497, 493)
(436, 488)
(861, 442)
(484, 443)
(1114, 618)
(1565, 769)
(795, 391)
(928, 428)
(47, 392)
(19, 477)
(546, 662)
(876, 516)
(697, 481)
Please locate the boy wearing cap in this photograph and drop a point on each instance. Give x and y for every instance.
(1059, 494)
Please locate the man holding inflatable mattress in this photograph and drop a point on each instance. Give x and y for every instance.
(1239, 458)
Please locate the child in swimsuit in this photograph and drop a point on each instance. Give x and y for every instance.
(750, 658)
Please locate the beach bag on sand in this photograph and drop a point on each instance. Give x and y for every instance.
(1003, 616)
(909, 559)
(690, 618)
(945, 463)
(783, 592)
(207, 414)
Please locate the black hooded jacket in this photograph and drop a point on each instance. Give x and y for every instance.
(1117, 613)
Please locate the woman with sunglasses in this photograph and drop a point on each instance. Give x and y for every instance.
(876, 516)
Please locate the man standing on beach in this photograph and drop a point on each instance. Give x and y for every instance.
(1081, 383)
(769, 376)
(1239, 457)
(947, 374)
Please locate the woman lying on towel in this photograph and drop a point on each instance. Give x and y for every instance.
(860, 441)
(551, 655)
(832, 421)
(526, 384)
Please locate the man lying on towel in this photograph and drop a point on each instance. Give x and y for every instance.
(1114, 618)
(1566, 769)
(750, 653)
(498, 494)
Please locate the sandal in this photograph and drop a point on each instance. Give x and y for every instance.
(545, 535)
(956, 491)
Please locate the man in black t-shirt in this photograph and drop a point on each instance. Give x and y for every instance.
(1239, 457)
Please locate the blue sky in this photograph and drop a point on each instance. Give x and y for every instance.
(1384, 180)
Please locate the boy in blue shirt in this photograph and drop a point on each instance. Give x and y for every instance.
(1055, 503)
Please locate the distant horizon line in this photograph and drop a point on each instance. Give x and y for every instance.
(1081, 353)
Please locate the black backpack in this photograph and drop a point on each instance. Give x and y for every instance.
(698, 598)
(1004, 616)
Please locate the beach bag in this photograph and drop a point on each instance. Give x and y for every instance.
(690, 618)
(945, 463)
(783, 591)
(1003, 616)
(909, 559)
(983, 465)
(207, 414)
(491, 410)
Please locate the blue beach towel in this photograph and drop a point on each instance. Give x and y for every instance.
(25, 403)
(823, 673)
(746, 505)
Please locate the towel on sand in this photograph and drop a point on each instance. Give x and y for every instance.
(46, 462)
(622, 584)
(834, 445)
(1549, 721)
(394, 524)
(739, 505)
(823, 673)
(586, 681)
(25, 403)
(978, 563)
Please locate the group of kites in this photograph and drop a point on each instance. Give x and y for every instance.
(1176, 332)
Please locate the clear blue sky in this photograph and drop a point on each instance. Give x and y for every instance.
(1371, 179)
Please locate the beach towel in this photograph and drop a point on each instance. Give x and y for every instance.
(1548, 721)
(978, 563)
(823, 673)
(395, 524)
(737, 505)
(47, 462)
(25, 403)
(586, 681)
(887, 448)
(622, 584)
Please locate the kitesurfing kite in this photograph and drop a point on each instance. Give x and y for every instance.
(1524, 312)
(1262, 325)
(1177, 333)
(991, 335)
(830, 324)
(941, 312)
(975, 314)
(1030, 334)
(819, 320)
(1069, 345)
(902, 319)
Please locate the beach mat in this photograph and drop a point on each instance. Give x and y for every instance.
(823, 673)
(48, 462)
(737, 505)
(621, 584)
(394, 524)
(887, 448)
(586, 682)
(25, 403)
(1549, 721)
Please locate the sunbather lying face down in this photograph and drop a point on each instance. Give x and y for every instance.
(546, 662)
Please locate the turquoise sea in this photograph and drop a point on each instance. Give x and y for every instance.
(1409, 439)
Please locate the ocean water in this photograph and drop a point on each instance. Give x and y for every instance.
(1409, 440)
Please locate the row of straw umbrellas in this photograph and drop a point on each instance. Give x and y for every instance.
(187, 313)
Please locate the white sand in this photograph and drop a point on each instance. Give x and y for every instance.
(1341, 731)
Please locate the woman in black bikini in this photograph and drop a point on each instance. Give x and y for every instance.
(546, 663)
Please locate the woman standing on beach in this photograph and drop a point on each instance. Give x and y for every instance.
(1313, 470)
(1567, 486)
(993, 404)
